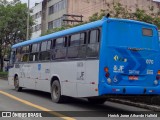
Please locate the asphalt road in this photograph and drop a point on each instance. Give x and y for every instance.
(73, 109)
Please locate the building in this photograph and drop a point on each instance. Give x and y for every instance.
(89, 7)
(53, 11)
(56, 13)
(37, 17)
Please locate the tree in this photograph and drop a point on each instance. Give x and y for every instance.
(13, 25)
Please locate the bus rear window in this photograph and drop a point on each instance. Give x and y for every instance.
(147, 32)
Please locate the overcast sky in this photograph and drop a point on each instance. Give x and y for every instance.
(32, 2)
(157, 0)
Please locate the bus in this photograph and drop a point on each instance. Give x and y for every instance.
(107, 57)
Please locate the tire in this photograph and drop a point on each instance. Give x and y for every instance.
(56, 92)
(96, 100)
(16, 84)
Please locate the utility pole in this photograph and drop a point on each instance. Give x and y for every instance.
(27, 36)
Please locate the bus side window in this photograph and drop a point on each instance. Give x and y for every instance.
(93, 44)
(77, 48)
(45, 50)
(34, 52)
(53, 49)
(25, 54)
(12, 57)
(60, 48)
(18, 55)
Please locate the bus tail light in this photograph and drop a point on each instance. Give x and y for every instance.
(107, 75)
(106, 70)
(158, 75)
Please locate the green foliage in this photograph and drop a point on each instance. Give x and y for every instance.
(13, 22)
(97, 16)
(3, 74)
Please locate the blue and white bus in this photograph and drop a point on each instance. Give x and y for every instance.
(105, 57)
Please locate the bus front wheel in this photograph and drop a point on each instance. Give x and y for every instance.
(16, 84)
(56, 92)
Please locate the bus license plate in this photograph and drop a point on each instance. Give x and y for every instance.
(133, 77)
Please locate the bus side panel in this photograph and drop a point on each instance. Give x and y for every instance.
(26, 77)
(66, 72)
(88, 85)
(77, 78)
(11, 77)
(12, 72)
(43, 75)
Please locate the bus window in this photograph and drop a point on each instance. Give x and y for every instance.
(60, 48)
(25, 54)
(18, 54)
(34, 52)
(93, 44)
(45, 50)
(13, 55)
(77, 46)
(147, 32)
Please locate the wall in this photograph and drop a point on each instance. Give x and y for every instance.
(89, 7)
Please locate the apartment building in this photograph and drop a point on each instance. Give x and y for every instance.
(55, 13)
(37, 17)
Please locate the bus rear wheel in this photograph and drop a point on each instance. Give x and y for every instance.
(16, 84)
(56, 92)
(96, 100)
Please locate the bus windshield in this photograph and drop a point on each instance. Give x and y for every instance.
(132, 35)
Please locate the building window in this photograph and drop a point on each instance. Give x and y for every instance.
(50, 25)
(37, 15)
(51, 10)
(57, 7)
(36, 28)
(55, 23)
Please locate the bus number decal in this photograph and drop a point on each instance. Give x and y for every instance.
(80, 75)
(150, 72)
(149, 61)
(118, 69)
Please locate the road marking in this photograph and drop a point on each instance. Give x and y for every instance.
(37, 106)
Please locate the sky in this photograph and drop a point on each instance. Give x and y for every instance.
(32, 2)
(157, 0)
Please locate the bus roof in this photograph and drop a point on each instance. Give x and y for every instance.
(61, 33)
(74, 30)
